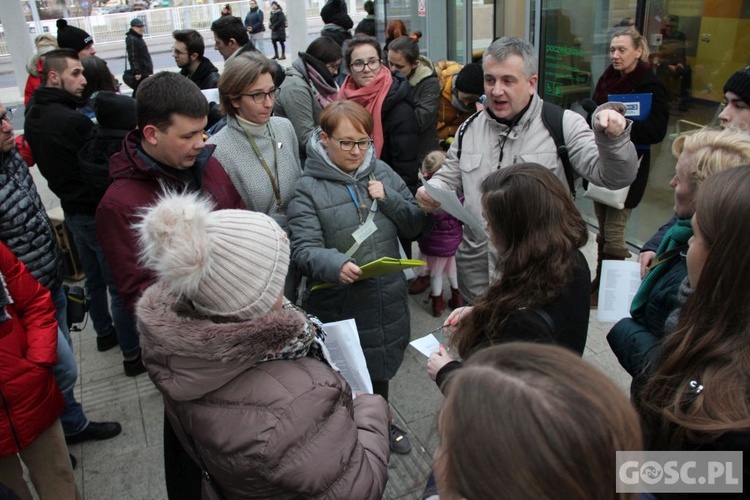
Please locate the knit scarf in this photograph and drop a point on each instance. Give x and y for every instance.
(325, 93)
(308, 342)
(613, 81)
(371, 97)
(677, 236)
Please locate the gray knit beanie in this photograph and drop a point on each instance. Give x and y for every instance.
(739, 83)
(231, 264)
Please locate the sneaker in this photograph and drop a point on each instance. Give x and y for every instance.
(134, 367)
(399, 442)
(96, 431)
(106, 342)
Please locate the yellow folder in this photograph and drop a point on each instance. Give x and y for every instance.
(383, 265)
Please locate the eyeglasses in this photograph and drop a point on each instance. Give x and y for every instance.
(260, 97)
(334, 66)
(7, 116)
(363, 145)
(359, 66)
(178, 52)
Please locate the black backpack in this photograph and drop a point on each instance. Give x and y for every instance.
(552, 117)
(93, 158)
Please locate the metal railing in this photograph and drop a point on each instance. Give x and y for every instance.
(111, 28)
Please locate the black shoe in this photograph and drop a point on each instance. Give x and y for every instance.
(106, 342)
(96, 431)
(134, 367)
(399, 442)
(73, 461)
(282, 58)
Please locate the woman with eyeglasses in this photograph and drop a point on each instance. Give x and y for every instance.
(348, 209)
(385, 94)
(258, 151)
(309, 87)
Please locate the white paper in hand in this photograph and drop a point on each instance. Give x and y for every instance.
(426, 345)
(619, 283)
(342, 341)
(450, 203)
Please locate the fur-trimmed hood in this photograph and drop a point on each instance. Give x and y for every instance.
(189, 356)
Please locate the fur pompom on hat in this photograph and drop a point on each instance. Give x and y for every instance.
(70, 37)
(471, 79)
(739, 83)
(230, 264)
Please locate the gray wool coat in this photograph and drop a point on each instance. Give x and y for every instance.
(322, 217)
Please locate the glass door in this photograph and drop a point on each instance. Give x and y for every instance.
(457, 31)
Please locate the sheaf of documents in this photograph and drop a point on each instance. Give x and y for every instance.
(617, 287)
(450, 203)
(342, 341)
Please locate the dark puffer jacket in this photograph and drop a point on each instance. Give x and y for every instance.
(24, 226)
(322, 218)
(278, 25)
(444, 237)
(29, 398)
(401, 132)
(279, 429)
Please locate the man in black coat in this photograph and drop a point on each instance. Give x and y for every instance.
(188, 55)
(56, 132)
(138, 55)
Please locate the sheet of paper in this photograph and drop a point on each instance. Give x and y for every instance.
(426, 345)
(212, 95)
(342, 341)
(619, 283)
(450, 203)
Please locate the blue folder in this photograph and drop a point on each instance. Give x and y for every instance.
(638, 105)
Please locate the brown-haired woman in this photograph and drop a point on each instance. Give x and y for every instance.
(513, 416)
(385, 94)
(257, 150)
(346, 191)
(697, 397)
(543, 292)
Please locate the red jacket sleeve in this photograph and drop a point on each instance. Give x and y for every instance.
(33, 305)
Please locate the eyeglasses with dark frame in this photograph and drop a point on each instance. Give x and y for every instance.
(359, 66)
(178, 52)
(260, 96)
(8, 115)
(345, 145)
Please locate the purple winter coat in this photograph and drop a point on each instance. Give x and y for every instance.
(444, 238)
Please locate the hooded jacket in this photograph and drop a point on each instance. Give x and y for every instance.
(322, 217)
(34, 80)
(137, 181)
(286, 428)
(449, 118)
(401, 132)
(56, 131)
(297, 102)
(602, 160)
(29, 398)
(425, 94)
(205, 76)
(278, 25)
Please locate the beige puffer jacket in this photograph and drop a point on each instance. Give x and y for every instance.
(278, 429)
(601, 160)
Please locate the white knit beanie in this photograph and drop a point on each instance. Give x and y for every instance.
(230, 264)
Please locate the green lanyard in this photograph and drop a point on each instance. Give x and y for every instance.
(274, 184)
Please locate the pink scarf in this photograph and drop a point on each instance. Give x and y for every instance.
(371, 97)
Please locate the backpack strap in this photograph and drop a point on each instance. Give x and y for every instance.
(552, 116)
(462, 130)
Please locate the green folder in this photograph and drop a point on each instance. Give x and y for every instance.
(384, 265)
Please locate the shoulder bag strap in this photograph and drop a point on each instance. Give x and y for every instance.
(552, 116)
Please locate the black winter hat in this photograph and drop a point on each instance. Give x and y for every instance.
(115, 111)
(70, 37)
(330, 10)
(471, 79)
(739, 83)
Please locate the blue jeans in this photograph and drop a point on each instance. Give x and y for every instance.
(66, 372)
(99, 279)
